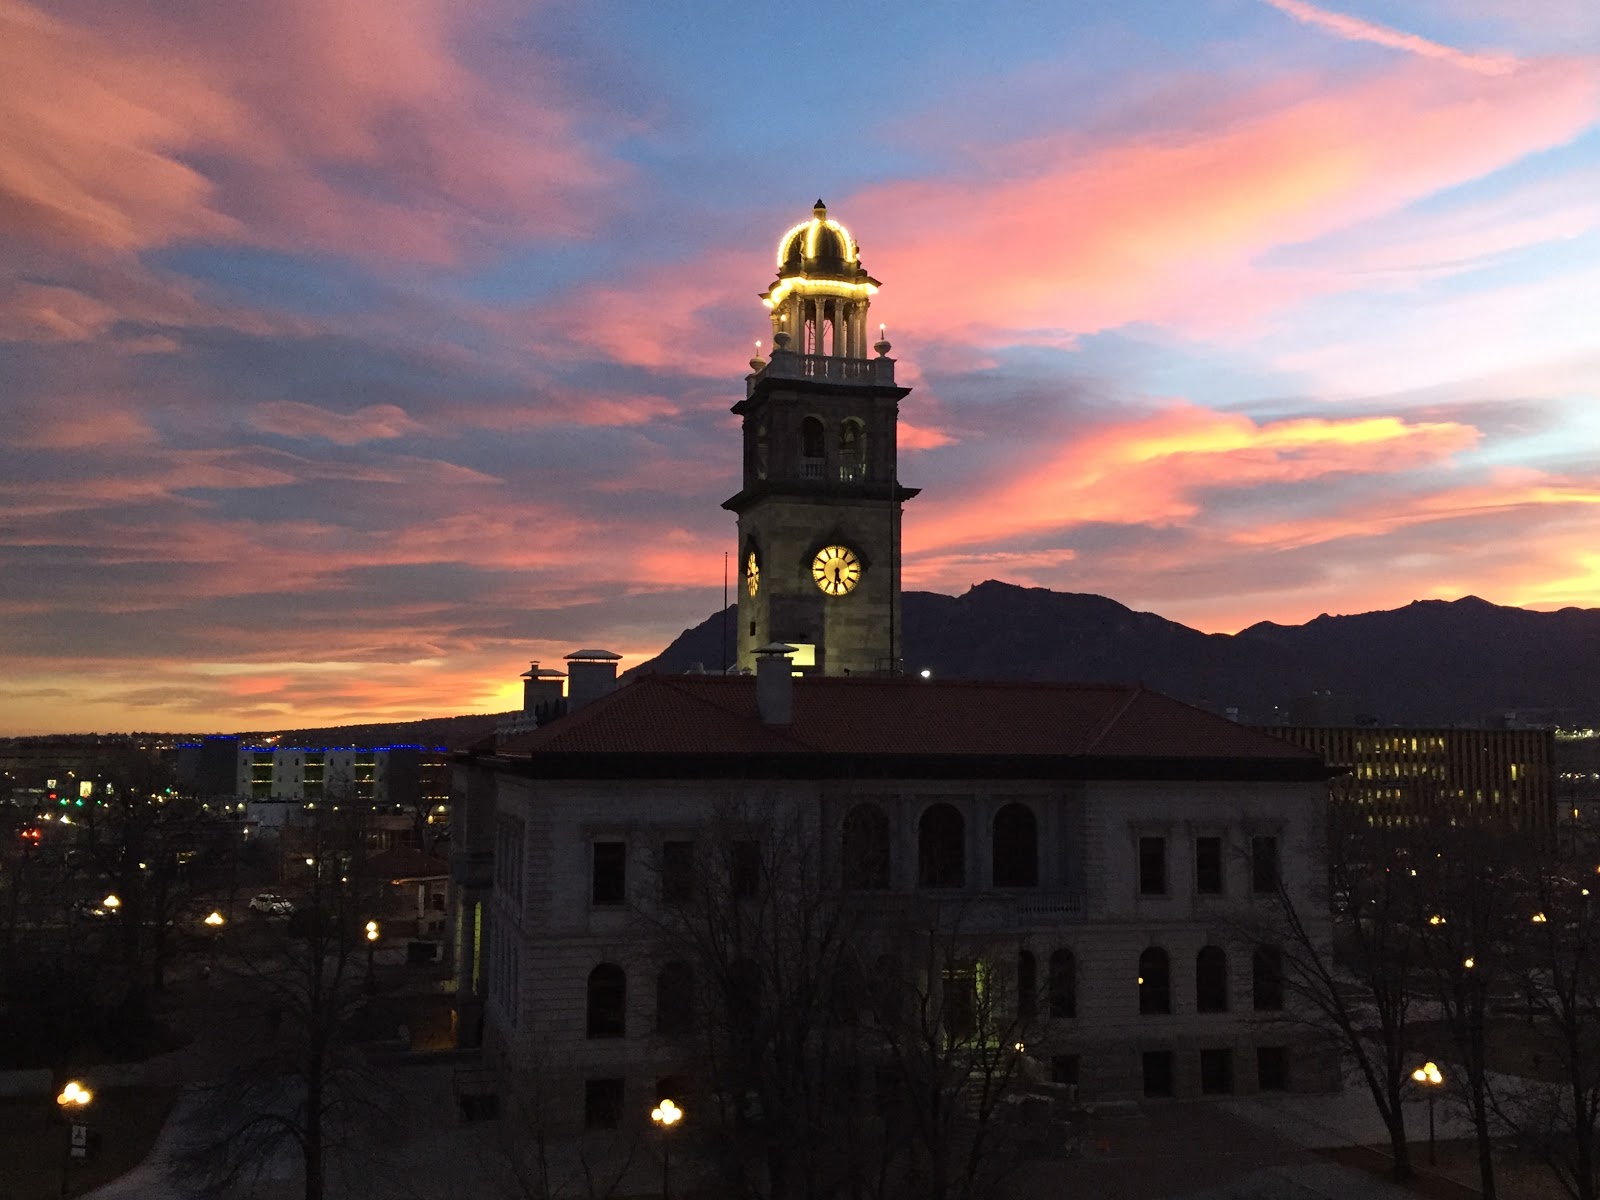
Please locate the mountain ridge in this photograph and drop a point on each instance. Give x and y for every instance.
(1441, 662)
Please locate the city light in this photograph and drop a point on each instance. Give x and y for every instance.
(74, 1095)
(666, 1114)
(215, 920)
(112, 902)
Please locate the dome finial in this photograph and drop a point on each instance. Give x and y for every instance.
(819, 209)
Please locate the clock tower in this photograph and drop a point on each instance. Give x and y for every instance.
(820, 507)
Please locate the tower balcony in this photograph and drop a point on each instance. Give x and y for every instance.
(826, 368)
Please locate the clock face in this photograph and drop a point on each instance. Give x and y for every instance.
(836, 569)
(752, 573)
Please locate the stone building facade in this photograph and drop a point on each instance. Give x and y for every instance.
(1090, 840)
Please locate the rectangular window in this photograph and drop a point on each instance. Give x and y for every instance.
(1152, 866)
(602, 1103)
(1263, 865)
(1208, 866)
(1216, 1072)
(1272, 1068)
(677, 872)
(1158, 1072)
(1064, 1069)
(610, 873)
(744, 870)
(960, 994)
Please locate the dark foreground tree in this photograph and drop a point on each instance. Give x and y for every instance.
(851, 1043)
(1356, 986)
(299, 1086)
(1557, 963)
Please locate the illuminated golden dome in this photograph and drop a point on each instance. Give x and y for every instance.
(819, 257)
(821, 244)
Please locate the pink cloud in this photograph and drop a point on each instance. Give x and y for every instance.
(922, 437)
(1069, 234)
(1354, 29)
(105, 115)
(375, 422)
(78, 423)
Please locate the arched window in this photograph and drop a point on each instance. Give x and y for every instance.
(864, 849)
(761, 449)
(1063, 984)
(1266, 979)
(608, 996)
(852, 451)
(811, 443)
(1027, 986)
(1155, 984)
(942, 848)
(1016, 847)
(1211, 979)
(675, 998)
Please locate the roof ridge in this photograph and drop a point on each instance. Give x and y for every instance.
(1106, 726)
(704, 700)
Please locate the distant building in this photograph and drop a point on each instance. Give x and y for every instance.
(1396, 776)
(278, 782)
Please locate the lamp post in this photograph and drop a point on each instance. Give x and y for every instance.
(71, 1103)
(1429, 1076)
(665, 1115)
(214, 922)
(372, 945)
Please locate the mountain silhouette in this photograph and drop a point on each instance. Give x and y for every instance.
(1433, 662)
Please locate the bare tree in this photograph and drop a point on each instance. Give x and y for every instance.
(1359, 987)
(148, 843)
(299, 1084)
(1558, 964)
(855, 1044)
(537, 1162)
(1475, 917)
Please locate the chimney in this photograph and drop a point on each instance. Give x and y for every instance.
(542, 691)
(775, 684)
(591, 674)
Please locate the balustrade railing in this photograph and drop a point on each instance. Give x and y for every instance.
(786, 364)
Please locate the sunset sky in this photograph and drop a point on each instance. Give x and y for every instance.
(353, 354)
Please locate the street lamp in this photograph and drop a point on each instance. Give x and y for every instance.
(1429, 1076)
(372, 945)
(214, 921)
(665, 1115)
(112, 902)
(70, 1103)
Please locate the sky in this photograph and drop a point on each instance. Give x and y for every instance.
(354, 355)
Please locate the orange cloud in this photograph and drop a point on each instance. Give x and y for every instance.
(1509, 492)
(1155, 470)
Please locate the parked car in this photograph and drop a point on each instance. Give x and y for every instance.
(271, 904)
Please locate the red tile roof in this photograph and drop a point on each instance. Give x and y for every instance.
(717, 715)
(404, 862)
